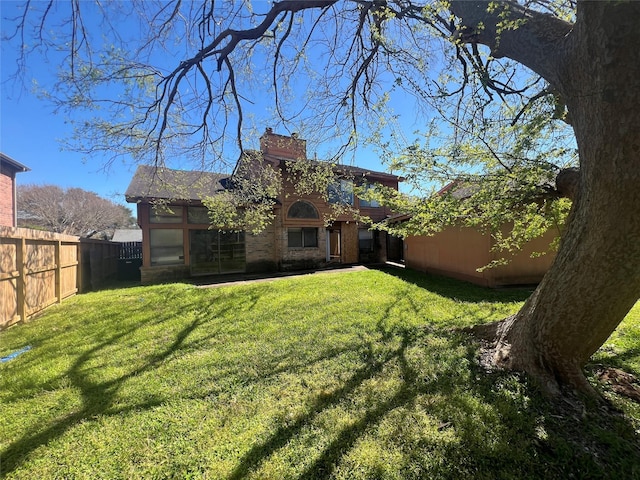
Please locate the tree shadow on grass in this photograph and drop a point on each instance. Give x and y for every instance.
(497, 425)
(98, 398)
(503, 427)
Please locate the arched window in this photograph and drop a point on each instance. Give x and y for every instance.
(302, 209)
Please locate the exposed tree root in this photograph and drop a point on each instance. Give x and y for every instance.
(498, 353)
(619, 381)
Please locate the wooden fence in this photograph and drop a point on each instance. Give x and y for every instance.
(38, 269)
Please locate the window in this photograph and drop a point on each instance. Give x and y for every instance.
(365, 241)
(164, 214)
(302, 237)
(368, 203)
(167, 246)
(198, 215)
(302, 209)
(341, 192)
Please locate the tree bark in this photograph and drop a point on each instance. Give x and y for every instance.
(595, 278)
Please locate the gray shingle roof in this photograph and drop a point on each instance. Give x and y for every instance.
(164, 183)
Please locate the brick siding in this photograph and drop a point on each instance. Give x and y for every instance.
(7, 198)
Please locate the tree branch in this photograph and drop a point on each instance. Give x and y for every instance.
(537, 40)
(236, 36)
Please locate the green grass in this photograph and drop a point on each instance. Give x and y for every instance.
(356, 375)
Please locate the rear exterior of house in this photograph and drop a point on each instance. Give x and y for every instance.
(178, 243)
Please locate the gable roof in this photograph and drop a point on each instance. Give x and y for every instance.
(151, 183)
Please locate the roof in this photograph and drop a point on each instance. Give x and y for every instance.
(130, 235)
(342, 169)
(164, 183)
(17, 166)
(357, 171)
(458, 190)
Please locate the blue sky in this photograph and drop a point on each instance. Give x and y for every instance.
(31, 132)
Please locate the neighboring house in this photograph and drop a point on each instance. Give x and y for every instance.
(459, 252)
(178, 243)
(127, 235)
(8, 194)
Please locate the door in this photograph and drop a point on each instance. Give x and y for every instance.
(213, 252)
(334, 251)
(231, 252)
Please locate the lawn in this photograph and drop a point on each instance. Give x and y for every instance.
(345, 375)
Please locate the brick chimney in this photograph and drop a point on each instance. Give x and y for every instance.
(281, 146)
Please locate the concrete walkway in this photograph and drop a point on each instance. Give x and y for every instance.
(240, 279)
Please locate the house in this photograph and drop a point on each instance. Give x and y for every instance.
(178, 242)
(8, 192)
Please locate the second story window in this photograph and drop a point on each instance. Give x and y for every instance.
(369, 203)
(341, 192)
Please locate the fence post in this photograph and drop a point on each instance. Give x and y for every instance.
(21, 284)
(58, 271)
(79, 277)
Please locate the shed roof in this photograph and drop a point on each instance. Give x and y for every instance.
(164, 183)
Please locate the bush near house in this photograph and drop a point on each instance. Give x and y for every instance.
(358, 375)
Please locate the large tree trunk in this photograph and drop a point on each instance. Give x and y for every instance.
(595, 279)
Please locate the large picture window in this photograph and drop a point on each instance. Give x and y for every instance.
(302, 237)
(198, 215)
(167, 246)
(215, 252)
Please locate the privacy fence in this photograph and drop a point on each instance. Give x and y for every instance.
(39, 269)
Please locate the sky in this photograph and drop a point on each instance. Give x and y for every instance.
(32, 133)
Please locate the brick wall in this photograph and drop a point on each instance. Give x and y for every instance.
(7, 198)
(163, 273)
(282, 146)
(261, 250)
